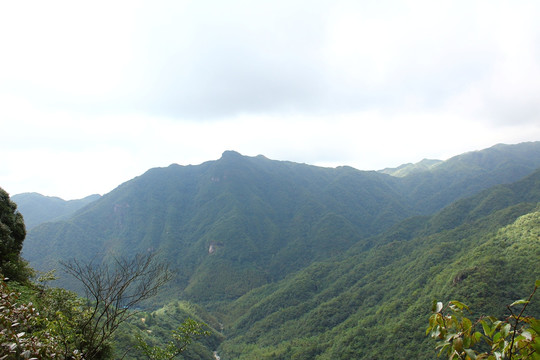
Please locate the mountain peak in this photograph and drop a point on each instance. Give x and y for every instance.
(230, 153)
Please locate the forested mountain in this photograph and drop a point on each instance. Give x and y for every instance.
(37, 208)
(467, 174)
(305, 262)
(374, 304)
(231, 225)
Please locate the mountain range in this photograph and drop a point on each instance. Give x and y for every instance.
(304, 262)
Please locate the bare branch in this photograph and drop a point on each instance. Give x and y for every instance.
(113, 291)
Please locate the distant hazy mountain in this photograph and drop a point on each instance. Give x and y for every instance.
(524, 158)
(37, 208)
(469, 173)
(410, 168)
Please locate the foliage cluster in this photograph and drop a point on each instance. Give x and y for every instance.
(12, 234)
(25, 333)
(516, 337)
(184, 335)
(154, 331)
(52, 323)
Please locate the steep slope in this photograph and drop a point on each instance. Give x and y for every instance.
(375, 303)
(37, 208)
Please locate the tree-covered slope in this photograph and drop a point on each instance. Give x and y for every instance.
(37, 208)
(234, 224)
(469, 173)
(229, 225)
(156, 328)
(375, 304)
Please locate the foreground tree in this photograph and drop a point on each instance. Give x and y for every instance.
(112, 294)
(189, 331)
(516, 337)
(12, 234)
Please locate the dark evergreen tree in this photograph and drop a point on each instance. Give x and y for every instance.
(12, 234)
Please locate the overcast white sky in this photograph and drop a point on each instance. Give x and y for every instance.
(95, 93)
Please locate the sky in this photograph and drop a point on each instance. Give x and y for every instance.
(93, 94)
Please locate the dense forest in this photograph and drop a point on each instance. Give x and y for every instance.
(290, 261)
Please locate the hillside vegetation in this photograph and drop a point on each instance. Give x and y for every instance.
(374, 304)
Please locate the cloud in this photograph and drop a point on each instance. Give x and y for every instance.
(508, 92)
(212, 60)
(125, 86)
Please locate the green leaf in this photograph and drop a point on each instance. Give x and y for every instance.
(470, 353)
(506, 330)
(439, 319)
(459, 304)
(536, 345)
(467, 324)
(468, 341)
(477, 335)
(487, 329)
(517, 302)
(535, 325)
(537, 283)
